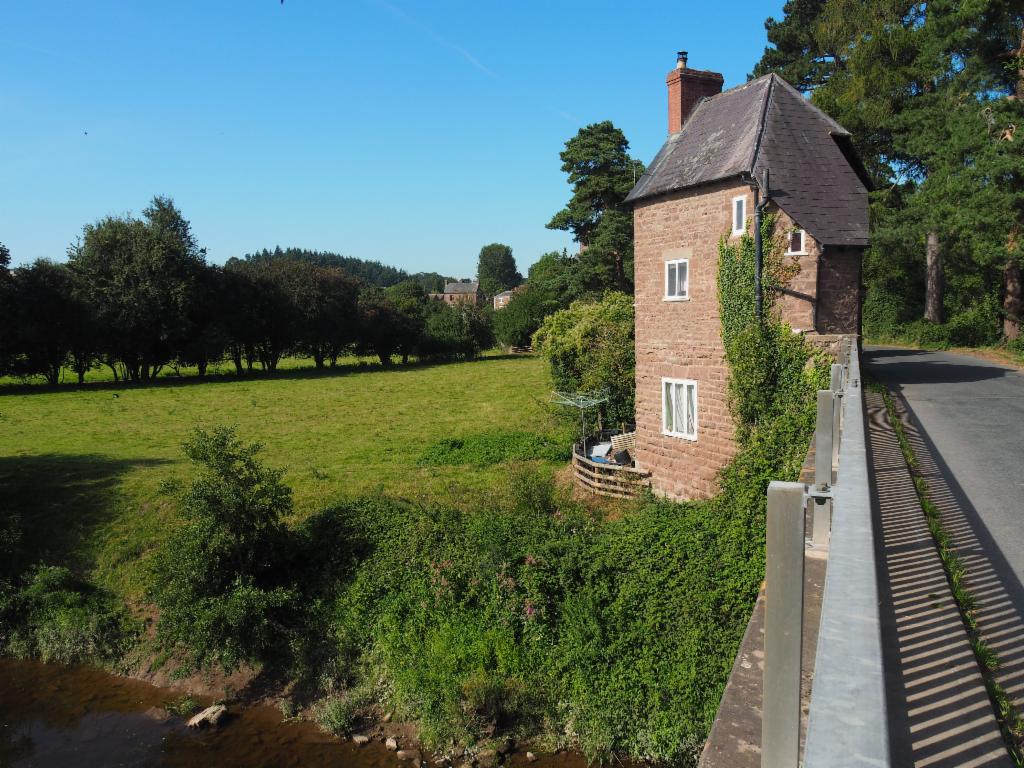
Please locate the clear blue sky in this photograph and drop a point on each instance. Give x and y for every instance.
(406, 131)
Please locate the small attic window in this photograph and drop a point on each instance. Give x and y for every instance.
(796, 244)
(739, 215)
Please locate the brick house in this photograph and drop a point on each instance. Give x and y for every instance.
(461, 293)
(502, 299)
(703, 185)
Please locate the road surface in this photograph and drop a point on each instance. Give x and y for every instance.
(972, 413)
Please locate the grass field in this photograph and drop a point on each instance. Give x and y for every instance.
(90, 469)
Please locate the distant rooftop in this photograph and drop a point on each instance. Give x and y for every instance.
(461, 287)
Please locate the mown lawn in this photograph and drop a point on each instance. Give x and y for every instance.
(91, 470)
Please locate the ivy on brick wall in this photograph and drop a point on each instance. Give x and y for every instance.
(772, 371)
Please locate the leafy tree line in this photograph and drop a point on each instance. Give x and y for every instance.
(933, 93)
(370, 272)
(137, 295)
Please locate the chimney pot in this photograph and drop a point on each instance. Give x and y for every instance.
(681, 59)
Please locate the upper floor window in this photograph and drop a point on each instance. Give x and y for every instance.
(679, 408)
(796, 245)
(739, 215)
(677, 280)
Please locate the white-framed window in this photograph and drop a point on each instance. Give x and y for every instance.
(679, 408)
(677, 280)
(796, 243)
(739, 215)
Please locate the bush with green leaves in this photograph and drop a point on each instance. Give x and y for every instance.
(223, 581)
(55, 616)
(590, 349)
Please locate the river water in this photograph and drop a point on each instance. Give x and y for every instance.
(79, 717)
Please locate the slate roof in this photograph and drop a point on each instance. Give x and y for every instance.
(461, 287)
(765, 123)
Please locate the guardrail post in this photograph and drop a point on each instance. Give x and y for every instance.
(823, 439)
(825, 458)
(838, 374)
(783, 625)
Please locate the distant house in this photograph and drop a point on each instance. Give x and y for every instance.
(502, 299)
(461, 293)
(703, 185)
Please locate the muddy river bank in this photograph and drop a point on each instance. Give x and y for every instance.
(56, 715)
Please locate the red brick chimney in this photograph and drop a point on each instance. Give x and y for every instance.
(685, 88)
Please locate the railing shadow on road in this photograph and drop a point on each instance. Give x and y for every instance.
(916, 371)
(990, 579)
(939, 713)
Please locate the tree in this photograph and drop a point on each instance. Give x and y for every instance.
(431, 282)
(270, 314)
(372, 272)
(380, 325)
(496, 269)
(206, 337)
(53, 326)
(223, 594)
(455, 331)
(409, 300)
(601, 173)
(590, 349)
(140, 276)
(325, 305)
(795, 51)
(6, 309)
(930, 92)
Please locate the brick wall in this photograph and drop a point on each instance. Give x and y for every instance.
(824, 296)
(796, 304)
(839, 291)
(682, 339)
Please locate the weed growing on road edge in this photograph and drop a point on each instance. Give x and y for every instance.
(1011, 722)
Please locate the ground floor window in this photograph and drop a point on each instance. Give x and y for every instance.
(679, 408)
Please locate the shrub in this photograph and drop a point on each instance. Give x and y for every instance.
(590, 348)
(340, 714)
(222, 580)
(975, 326)
(56, 616)
(493, 447)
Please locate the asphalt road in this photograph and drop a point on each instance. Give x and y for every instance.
(972, 412)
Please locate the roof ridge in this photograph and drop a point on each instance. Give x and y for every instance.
(768, 92)
(837, 128)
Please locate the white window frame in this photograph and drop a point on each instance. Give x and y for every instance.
(742, 227)
(803, 243)
(685, 384)
(685, 295)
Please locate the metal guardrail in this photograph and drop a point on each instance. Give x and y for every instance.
(847, 725)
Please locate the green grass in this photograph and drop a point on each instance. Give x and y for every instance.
(103, 375)
(89, 468)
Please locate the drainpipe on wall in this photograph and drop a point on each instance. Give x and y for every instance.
(759, 205)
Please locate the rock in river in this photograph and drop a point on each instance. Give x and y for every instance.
(209, 716)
